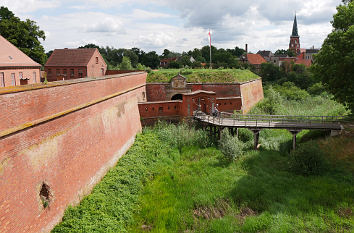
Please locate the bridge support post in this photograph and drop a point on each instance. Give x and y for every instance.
(294, 133)
(256, 137)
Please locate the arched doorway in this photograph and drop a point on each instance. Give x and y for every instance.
(177, 97)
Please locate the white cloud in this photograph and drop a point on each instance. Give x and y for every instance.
(25, 6)
(179, 25)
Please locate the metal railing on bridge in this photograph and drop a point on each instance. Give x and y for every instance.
(269, 121)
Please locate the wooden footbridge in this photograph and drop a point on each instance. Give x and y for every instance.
(258, 122)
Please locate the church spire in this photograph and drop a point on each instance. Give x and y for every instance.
(295, 32)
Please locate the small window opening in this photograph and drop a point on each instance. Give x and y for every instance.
(168, 107)
(175, 107)
(45, 195)
(146, 109)
(153, 109)
(160, 109)
(96, 60)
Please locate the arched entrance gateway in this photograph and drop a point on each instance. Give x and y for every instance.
(177, 97)
(198, 100)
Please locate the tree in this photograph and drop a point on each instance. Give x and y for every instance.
(125, 64)
(288, 52)
(24, 35)
(270, 72)
(334, 64)
(150, 59)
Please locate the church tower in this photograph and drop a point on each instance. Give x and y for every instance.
(294, 44)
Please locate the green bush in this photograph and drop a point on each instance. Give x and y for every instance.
(182, 135)
(230, 146)
(308, 159)
(291, 92)
(269, 105)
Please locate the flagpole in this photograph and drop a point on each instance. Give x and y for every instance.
(210, 66)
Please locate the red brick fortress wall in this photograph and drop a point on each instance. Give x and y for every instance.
(251, 93)
(66, 135)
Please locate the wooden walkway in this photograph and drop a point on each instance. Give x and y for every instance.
(258, 122)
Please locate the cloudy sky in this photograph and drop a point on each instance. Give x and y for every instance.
(178, 25)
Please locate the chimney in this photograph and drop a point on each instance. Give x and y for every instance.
(246, 48)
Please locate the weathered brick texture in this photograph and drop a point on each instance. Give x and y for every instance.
(70, 152)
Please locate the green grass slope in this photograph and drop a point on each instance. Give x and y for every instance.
(202, 75)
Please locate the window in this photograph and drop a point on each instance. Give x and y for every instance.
(57, 72)
(2, 79)
(102, 71)
(21, 75)
(71, 72)
(160, 109)
(96, 60)
(80, 73)
(13, 79)
(34, 77)
(64, 72)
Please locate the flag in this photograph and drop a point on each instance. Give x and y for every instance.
(209, 35)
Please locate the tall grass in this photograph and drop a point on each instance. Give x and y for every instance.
(203, 75)
(257, 193)
(110, 206)
(285, 100)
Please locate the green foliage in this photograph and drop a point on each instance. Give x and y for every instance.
(334, 64)
(271, 104)
(157, 188)
(140, 67)
(288, 99)
(182, 135)
(270, 73)
(203, 75)
(291, 92)
(308, 159)
(110, 206)
(230, 146)
(25, 35)
(125, 64)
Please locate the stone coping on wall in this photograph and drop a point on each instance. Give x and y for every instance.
(229, 98)
(13, 89)
(33, 123)
(161, 102)
(169, 83)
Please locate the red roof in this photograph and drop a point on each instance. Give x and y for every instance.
(255, 59)
(11, 56)
(70, 57)
(305, 62)
(168, 59)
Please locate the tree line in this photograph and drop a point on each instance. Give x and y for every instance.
(334, 65)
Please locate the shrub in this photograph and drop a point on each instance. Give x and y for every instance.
(182, 135)
(271, 104)
(308, 159)
(230, 146)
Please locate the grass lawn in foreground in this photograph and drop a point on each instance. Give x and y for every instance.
(257, 193)
(202, 75)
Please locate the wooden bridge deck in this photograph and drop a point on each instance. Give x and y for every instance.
(258, 122)
(272, 122)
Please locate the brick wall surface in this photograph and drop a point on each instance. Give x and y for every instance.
(22, 107)
(70, 152)
(160, 109)
(31, 74)
(252, 93)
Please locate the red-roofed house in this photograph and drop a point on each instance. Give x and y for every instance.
(66, 64)
(16, 68)
(166, 61)
(255, 60)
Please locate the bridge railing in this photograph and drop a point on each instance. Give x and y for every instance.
(281, 119)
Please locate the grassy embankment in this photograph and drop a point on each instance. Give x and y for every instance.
(169, 182)
(202, 75)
